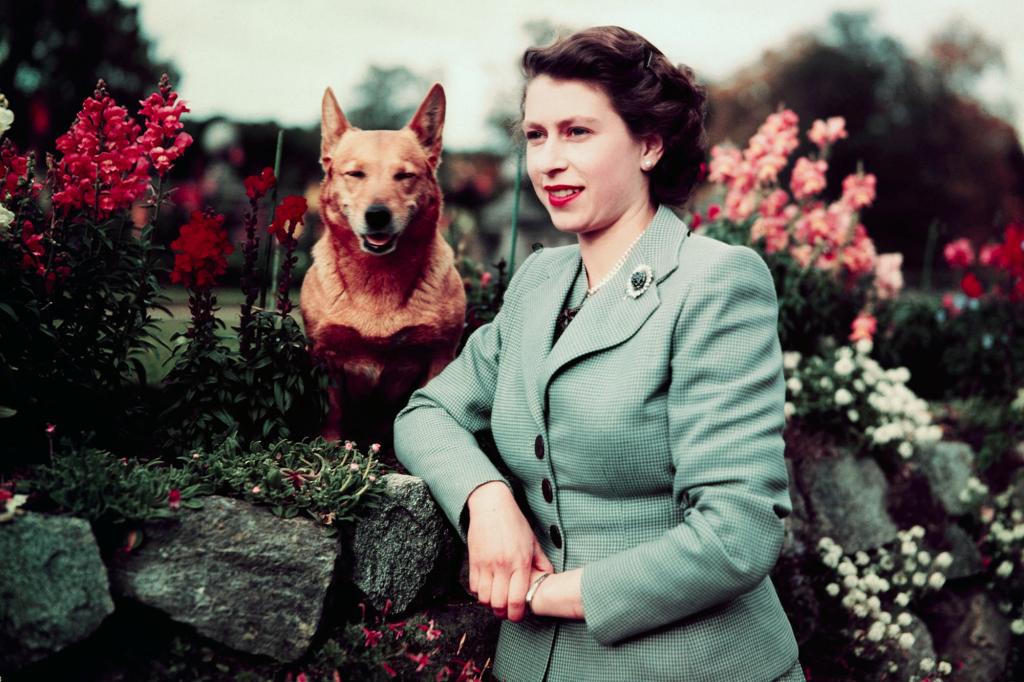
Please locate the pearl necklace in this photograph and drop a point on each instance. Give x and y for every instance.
(615, 268)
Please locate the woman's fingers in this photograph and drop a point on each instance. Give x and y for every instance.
(499, 594)
(517, 587)
(483, 584)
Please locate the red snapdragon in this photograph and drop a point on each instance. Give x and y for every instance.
(201, 250)
(256, 186)
(287, 216)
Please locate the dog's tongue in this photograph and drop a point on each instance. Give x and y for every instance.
(378, 242)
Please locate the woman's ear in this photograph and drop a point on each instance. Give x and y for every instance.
(652, 148)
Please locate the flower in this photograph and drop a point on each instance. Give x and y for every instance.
(374, 448)
(713, 211)
(971, 285)
(888, 275)
(824, 133)
(959, 253)
(373, 637)
(6, 117)
(256, 186)
(6, 217)
(421, 659)
(843, 397)
(844, 366)
(287, 216)
(859, 190)
(256, 490)
(174, 498)
(201, 250)
(50, 428)
(863, 327)
(808, 177)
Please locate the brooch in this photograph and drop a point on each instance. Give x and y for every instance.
(639, 280)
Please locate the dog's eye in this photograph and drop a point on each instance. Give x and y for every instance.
(356, 174)
(404, 176)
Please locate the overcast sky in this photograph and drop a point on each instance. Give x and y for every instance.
(262, 59)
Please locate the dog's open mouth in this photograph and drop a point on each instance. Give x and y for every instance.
(379, 244)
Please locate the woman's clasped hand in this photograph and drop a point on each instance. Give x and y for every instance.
(504, 554)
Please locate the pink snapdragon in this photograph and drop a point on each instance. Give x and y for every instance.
(808, 177)
(863, 327)
(859, 190)
(888, 275)
(824, 133)
(959, 253)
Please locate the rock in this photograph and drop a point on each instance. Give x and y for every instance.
(403, 546)
(966, 558)
(846, 495)
(474, 620)
(968, 627)
(909, 663)
(238, 574)
(53, 587)
(948, 465)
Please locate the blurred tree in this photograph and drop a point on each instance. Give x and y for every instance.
(387, 98)
(937, 153)
(53, 52)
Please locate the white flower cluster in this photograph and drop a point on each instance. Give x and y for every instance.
(6, 115)
(856, 386)
(869, 590)
(975, 490)
(6, 119)
(1018, 402)
(1003, 542)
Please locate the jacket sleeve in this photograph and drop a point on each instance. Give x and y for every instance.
(725, 419)
(434, 433)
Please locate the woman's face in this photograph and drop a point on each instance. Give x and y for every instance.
(576, 139)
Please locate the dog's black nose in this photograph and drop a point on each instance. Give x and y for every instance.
(378, 216)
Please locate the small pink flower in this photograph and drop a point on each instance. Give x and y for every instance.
(824, 133)
(50, 428)
(485, 279)
(432, 633)
(372, 478)
(808, 177)
(174, 498)
(888, 275)
(349, 445)
(859, 190)
(353, 466)
(959, 253)
(713, 211)
(863, 327)
(373, 637)
(987, 513)
(375, 447)
(989, 256)
(301, 677)
(421, 659)
(256, 490)
(388, 669)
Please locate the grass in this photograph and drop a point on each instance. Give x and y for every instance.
(229, 302)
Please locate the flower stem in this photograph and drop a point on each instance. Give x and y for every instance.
(273, 204)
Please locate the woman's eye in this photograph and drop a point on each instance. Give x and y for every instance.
(532, 135)
(582, 131)
(356, 174)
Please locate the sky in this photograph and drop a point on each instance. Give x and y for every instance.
(258, 60)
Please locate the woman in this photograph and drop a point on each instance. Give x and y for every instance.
(633, 386)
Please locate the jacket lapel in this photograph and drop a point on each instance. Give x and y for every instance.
(606, 319)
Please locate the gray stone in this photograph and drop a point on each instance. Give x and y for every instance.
(966, 557)
(53, 587)
(405, 547)
(846, 497)
(948, 465)
(968, 621)
(238, 574)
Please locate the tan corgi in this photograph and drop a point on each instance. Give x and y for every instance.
(382, 302)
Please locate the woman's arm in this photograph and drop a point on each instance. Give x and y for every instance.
(433, 433)
(725, 417)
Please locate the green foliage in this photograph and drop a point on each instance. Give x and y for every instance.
(326, 481)
(484, 293)
(992, 427)
(72, 334)
(976, 352)
(109, 491)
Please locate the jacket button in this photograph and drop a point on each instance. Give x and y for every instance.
(556, 536)
(545, 487)
(538, 447)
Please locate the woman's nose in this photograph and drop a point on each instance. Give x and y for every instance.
(550, 158)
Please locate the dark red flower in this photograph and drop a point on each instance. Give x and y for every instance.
(372, 637)
(695, 221)
(256, 186)
(713, 211)
(201, 250)
(287, 216)
(971, 286)
(174, 498)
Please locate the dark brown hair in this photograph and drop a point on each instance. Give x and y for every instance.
(650, 94)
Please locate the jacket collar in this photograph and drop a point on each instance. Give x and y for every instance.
(606, 319)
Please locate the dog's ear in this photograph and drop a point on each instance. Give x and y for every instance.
(332, 126)
(428, 121)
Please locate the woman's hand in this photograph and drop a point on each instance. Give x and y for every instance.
(559, 595)
(503, 551)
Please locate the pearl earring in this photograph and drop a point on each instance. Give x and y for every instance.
(647, 164)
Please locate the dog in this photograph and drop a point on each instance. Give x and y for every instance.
(383, 304)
